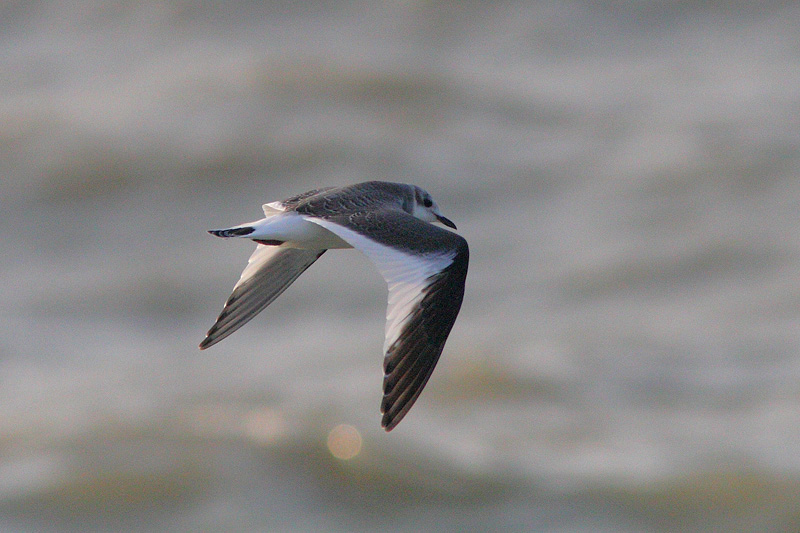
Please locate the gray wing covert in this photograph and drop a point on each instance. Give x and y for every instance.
(425, 268)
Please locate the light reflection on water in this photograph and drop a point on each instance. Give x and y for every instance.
(344, 442)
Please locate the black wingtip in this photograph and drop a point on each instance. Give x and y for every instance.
(210, 339)
(232, 232)
(388, 424)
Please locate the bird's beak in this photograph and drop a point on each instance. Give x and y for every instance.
(446, 221)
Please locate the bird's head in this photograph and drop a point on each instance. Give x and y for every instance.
(426, 209)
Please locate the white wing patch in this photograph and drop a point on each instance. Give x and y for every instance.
(273, 208)
(405, 273)
(260, 257)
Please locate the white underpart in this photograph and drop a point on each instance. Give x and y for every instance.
(295, 231)
(405, 273)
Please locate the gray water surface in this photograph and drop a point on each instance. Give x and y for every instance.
(627, 357)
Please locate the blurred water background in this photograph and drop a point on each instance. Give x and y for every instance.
(626, 173)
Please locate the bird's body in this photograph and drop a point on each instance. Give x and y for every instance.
(424, 266)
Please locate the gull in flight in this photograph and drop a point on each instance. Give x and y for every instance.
(425, 267)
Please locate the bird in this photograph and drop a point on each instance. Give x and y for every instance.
(425, 268)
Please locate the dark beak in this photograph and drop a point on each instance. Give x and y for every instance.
(446, 221)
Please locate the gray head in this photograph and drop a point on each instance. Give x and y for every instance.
(424, 208)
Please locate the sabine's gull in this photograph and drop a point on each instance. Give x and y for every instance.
(424, 266)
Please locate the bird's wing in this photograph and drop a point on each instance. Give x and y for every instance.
(270, 270)
(425, 268)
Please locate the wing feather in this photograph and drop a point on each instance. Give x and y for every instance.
(425, 268)
(269, 272)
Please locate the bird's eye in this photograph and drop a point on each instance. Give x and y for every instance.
(427, 202)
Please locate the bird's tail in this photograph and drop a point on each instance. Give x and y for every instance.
(237, 231)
